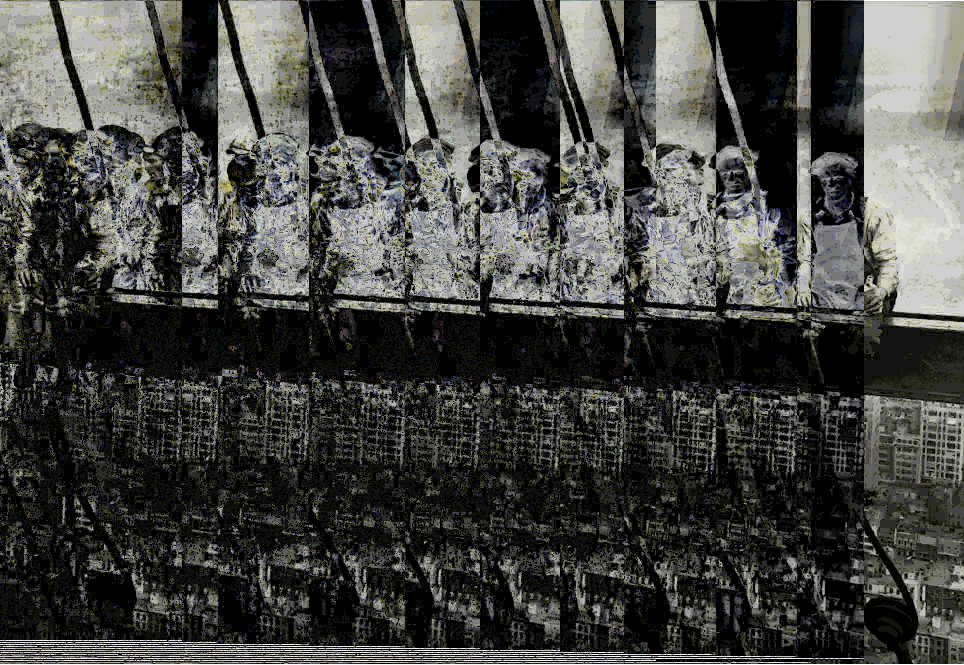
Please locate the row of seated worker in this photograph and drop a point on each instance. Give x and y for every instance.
(536, 244)
(684, 249)
(100, 207)
(95, 210)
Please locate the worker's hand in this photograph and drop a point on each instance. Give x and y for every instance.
(28, 278)
(804, 298)
(873, 300)
(251, 283)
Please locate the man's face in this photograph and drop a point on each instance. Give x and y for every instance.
(89, 171)
(836, 185)
(496, 183)
(530, 172)
(735, 178)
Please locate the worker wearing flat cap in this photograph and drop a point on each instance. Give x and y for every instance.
(199, 243)
(755, 243)
(845, 228)
(680, 260)
(279, 245)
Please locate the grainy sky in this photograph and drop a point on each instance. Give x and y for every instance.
(113, 49)
(274, 45)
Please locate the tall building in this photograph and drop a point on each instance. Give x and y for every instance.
(200, 432)
(942, 443)
(457, 425)
(159, 435)
(872, 442)
(534, 437)
(841, 423)
(592, 430)
(914, 442)
(125, 397)
(285, 424)
(382, 424)
(648, 426)
(336, 406)
(694, 431)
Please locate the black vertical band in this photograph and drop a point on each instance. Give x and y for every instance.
(162, 57)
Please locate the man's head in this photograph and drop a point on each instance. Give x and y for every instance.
(27, 147)
(342, 168)
(836, 173)
(679, 174)
(732, 169)
(430, 181)
(89, 161)
(276, 157)
(530, 169)
(242, 169)
(56, 153)
(495, 174)
(127, 144)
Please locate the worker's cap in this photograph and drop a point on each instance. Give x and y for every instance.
(277, 146)
(428, 145)
(168, 143)
(732, 156)
(240, 145)
(127, 144)
(570, 158)
(834, 161)
(671, 155)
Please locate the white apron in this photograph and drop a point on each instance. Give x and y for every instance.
(591, 258)
(361, 238)
(838, 267)
(511, 251)
(442, 264)
(199, 240)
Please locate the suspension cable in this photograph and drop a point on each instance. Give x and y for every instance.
(239, 66)
(165, 63)
(730, 100)
(315, 50)
(470, 50)
(385, 72)
(69, 63)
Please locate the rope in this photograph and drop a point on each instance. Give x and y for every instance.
(473, 56)
(322, 74)
(730, 100)
(554, 64)
(69, 63)
(567, 107)
(627, 83)
(165, 64)
(239, 65)
(385, 72)
(413, 69)
(581, 110)
(11, 169)
(430, 125)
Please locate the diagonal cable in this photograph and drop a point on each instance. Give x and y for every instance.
(730, 99)
(69, 63)
(470, 50)
(385, 72)
(566, 61)
(165, 63)
(627, 82)
(315, 50)
(554, 64)
(567, 108)
(409, 46)
(239, 65)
